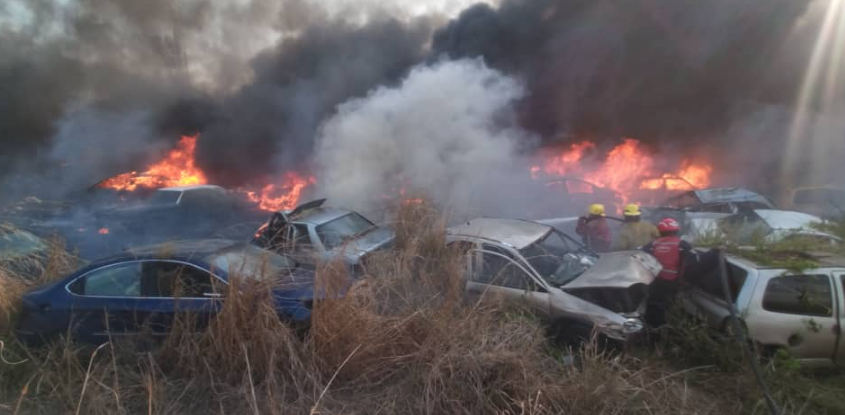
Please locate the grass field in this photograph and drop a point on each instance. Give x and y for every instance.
(403, 341)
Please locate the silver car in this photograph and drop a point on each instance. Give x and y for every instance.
(801, 312)
(314, 233)
(562, 280)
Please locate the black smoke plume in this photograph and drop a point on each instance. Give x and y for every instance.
(656, 70)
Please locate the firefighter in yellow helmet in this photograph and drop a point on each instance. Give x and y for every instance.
(634, 232)
(593, 229)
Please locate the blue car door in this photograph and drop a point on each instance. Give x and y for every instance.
(180, 293)
(103, 302)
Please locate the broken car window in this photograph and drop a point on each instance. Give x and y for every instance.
(557, 258)
(343, 229)
(303, 239)
(499, 269)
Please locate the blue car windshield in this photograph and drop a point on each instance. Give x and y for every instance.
(252, 262)
(15, 244)
(343, 229)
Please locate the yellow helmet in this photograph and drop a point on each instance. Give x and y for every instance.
(632, 210)
(596, 209)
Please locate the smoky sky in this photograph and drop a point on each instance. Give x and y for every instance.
(650, 69)
(258, 78)
(272, 121)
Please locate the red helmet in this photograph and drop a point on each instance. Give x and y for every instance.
(668, 225)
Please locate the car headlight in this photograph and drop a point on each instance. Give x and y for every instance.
(632, 325)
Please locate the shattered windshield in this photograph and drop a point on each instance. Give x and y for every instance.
(558, 258)
(343, 229)
(253, 262)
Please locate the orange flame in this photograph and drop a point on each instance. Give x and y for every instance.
(103, 231)
(177, 169)
(284, 196)
(628, 167)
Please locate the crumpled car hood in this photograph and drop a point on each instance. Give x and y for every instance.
(618, 270)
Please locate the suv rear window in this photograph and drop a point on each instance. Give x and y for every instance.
(807, 295)
(709, 280)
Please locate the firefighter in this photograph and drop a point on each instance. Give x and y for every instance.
(634, 232)
(593, 229)
(672, 253)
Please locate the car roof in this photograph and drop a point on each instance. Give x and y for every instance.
(192, 187)
(824, 259)
(320, 215)
(179, 250)
(729, 194)
(514, 232)
(785, 219)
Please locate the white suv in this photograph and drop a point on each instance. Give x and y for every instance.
(801, 312)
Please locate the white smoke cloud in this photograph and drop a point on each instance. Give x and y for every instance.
(447, 130)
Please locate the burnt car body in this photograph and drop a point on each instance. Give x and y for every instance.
(314, 233)
(140, 292)
(801, 312)
(759, 225)
(563, 281)
(712, 203)
(202, 211)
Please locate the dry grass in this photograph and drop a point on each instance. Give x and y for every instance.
(401, 341)
(21, 273)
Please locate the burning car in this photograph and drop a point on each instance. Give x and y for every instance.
(198, 211)
(566, 283)
(312, 233)
(141, 291)
(766, 225)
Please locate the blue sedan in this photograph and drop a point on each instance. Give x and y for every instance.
(140, 291)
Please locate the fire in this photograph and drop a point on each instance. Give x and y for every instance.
(689, 177)
(284, 196)
(565, 163)
(103, 231)
(627, 168)
(176, 169)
